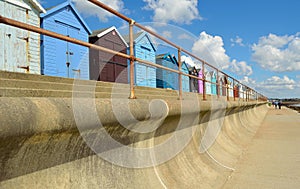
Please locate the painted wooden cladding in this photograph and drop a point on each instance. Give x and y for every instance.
(185, 79)
(208, 85)
(230, 86)
(242, 91)
(167, 79)
(223, 86)
(194, 87)
(107, 67)
(200, 82)
(236, 91)
(61, 58)
(19, 49)
(214, 81)
(145, 75)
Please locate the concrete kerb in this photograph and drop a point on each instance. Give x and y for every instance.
(28, 116)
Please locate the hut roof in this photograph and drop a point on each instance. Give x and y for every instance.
(34, 3)
(137, 36)
(167, 56)
(54, 9)
(101, 32)
(37, 5)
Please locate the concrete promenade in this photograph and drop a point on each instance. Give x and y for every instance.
(41, 145)
(272, 159)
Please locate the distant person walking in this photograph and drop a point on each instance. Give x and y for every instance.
(279, 104)
(276, 104)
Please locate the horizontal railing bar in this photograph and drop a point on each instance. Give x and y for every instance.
(35, 29)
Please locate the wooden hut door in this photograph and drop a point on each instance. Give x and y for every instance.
(75, 58)
(15, 40)
(62, 53)
(67, 55)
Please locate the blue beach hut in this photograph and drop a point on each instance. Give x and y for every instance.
(208, 83)
(166, 79)
(185, 79)
(61, 58)
(144, 75)
(213, 84)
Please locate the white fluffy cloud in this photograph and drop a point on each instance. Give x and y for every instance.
(237, 41)
(211, 49)
(179, 11)
(278, 87)
(188, 60)
(241, 68)
(248, 81)
(89, 9)
(276, 82)
(278, 53)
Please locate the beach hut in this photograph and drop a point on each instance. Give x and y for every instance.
(242, 91)
(144, 75)
(185, 80)
(20, 49)
(236, 91)
(194, 87)
(213, 84)
(223, 85)
(208, 83)
(105, 66)
(61, 58)
(200, 82)
(167, 79)
(230, 88)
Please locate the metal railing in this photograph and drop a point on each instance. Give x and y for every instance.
(248, 93)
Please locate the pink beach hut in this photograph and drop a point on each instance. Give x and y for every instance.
(200, 82)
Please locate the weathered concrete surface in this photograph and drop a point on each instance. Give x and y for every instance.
(272, 160)
(62, 160)
(42, 145)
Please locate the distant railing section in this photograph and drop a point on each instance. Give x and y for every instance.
(248, 94)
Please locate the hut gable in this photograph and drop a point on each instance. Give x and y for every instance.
(67, 14)
(223, 85)
(194, 86)
(167, 79)
(20, 49)
(230, 88)
(61, 58)
(106, 31)
(214, 81)
(208, 85)
(144, 75)
(185, 79)
(105, 66)
(200, 82)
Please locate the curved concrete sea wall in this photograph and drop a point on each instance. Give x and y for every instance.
(61, 133)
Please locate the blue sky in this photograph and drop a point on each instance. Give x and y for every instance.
(257, 42)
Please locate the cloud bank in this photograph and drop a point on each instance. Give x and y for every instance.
(278, 53)
(179, 11)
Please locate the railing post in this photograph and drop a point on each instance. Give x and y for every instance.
(179, 75)
(204, 80)
(131, 53)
